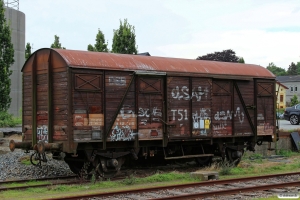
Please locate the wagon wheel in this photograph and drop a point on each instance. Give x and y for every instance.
(109, 172)
(234, 157)
(204, 161)
(76, 164)
(75, 167)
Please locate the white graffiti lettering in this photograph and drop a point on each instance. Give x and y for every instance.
(227, 115)
(143, 122)
(183, 114)
(117, 80)
(183, 93)
(42, 133)
(202, 116)
(175, 93)
(144, 112)
(122, 134)
(199, 120)
(221, 126)
(126, 110)
(223, 115)
(239, 114)
(155, 115)
(156, 112)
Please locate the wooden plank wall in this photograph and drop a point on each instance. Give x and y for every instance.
(150, 107)
(27, 106)
(241, 122)
(42, 105)
(189, 106)
(222, 108)
(265, 108)
(124, 128)
(60, 103)
(87, 102)
(201, 107)
(178, 106)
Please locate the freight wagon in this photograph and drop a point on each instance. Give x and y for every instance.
(101, 109)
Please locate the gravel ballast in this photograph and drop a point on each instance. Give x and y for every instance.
(11, 167)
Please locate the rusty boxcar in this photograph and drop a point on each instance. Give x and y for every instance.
(103, 108)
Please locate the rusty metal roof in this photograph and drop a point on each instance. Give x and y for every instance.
(112, 61)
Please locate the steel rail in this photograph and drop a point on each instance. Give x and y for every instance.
(5, 188)
(206, 183)
(233, 191)
(37, 179)
(39, 185)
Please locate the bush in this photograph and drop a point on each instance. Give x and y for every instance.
(7, 119)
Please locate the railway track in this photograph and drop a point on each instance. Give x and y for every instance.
(61, 180)
(239, 186)
(5, 185)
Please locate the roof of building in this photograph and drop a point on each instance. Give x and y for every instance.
(284, 79)
(281, 85)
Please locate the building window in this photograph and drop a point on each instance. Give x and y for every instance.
(281, 89)
(281, 98)
(295, 89)
(291, 89)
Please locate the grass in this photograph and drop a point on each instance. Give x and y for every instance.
(105, 186)
(287, 153)
(250, 168)
(25, 160)
(247, 167)
(268, 198)
(33, 182)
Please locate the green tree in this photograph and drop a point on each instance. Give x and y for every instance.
(100, 45)
(90, 48)
(277, 71)
(241, 60)
(298, 67)
(294, 100)
(6, 60)
(292, 70)
(225, 56)
(56, 44)
(27, 50)
(124, 39)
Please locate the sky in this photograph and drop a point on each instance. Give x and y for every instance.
(259, 31)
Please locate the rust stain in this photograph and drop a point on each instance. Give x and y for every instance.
(100, 60)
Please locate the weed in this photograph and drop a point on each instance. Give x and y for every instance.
(129, 180)
(277, 167)
(93, 178)
(285, 153)
(61, 188)
(226, 168)
(25, 160)
(256, 156)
